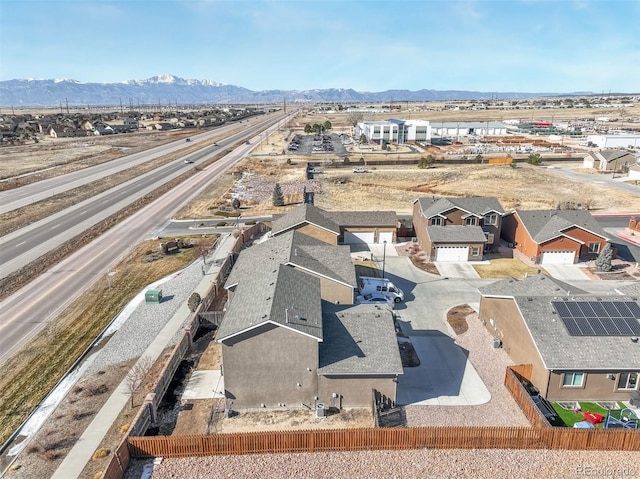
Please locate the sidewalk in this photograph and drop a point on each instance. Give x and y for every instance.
(631, 239)
(82, 451)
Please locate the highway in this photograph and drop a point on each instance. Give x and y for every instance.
(27, 244)
(28, 194)
(26, 311)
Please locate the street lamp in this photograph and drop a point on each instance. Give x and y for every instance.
(384, 255)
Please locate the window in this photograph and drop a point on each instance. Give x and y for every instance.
(594, 247)
(437, 221)
(628, 381)
(491, 219)
(490, 237)
(573, 380)
(475, 251)
(471, 221)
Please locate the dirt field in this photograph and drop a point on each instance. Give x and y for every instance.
(396, 187)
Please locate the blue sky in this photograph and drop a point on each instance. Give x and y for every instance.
(369, 45)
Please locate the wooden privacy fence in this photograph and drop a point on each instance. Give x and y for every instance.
(440, 437)
(119, 462)
(521, 395)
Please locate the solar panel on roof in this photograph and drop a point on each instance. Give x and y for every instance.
(599, 318)
(634, 308)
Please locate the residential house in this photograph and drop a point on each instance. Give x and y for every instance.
(282, 346)
(554, 236)
(457, 229)
(334, 227)
(634, 172)
(581, 347)
(331, 264)
(610, 160)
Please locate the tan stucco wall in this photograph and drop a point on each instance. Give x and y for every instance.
(335, 292)
(516, 340)
(354, 391)
(597, 387)
(319, 233)
(420, 227)
(266, 365)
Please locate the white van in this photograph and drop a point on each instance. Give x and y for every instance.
(369, 284)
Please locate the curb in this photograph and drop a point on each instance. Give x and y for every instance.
(628, 239)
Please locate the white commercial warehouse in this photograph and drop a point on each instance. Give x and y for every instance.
(615, 141)
(476, 128)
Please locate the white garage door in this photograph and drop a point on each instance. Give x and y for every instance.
(452, 253)
(558, 257)
(358, 237)
(385, 236)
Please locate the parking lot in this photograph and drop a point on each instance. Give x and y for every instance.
(316, 144)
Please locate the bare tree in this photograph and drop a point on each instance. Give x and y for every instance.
(354, 117)
(136, 376)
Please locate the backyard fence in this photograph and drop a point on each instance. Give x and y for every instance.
(512, 381)
(440, 437)
(119, 462)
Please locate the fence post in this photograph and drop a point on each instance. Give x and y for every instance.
(149, 401)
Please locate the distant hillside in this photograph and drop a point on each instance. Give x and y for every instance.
(169, 89)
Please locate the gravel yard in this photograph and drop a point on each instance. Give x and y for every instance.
(419, 463)
(490, 364)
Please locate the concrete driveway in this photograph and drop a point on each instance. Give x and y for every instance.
(445, 376)
(456, 270)
(566, 272)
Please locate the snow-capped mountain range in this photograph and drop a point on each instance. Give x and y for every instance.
(169, 89)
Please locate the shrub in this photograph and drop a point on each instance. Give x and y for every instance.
(100, 453)
(278, 197)
(194, 301)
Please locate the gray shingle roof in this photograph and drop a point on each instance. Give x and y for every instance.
(295, 249)
(359, 340)
(632, 289)
(545, 225)
(304, 214)
(560, 351)
(536, 285)
(456, 234)
(477, 205)
(363, 218)
(281, 295)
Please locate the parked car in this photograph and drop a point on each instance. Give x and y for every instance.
(375, 298)
(315, 171)
(188, 140)
(360, 169)
(188, 161)
(247, 142)
(215, 144)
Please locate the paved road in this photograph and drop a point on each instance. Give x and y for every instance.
(27, 244)
(612, 224)
(28, 194)
(24, 313)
